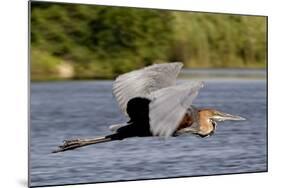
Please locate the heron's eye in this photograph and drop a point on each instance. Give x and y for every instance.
(214, 124)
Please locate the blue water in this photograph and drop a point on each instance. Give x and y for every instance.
(63, 110)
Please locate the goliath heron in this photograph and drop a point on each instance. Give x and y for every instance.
(157, 106)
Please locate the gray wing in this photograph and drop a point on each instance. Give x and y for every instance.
(141, 83)
(169, 105)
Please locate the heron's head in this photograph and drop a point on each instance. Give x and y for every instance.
(208, 119)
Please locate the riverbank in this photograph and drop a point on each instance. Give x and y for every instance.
(201, 74)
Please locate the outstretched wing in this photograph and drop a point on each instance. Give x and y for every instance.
(142, 82)
(169, 105)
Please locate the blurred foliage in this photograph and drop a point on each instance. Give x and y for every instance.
(102, 42)
(217, 40)
(43, 65)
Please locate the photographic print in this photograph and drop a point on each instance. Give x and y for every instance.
(124, 93)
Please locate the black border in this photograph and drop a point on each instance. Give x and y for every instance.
(176, 177)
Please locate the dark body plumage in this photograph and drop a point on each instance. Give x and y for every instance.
(138, 125)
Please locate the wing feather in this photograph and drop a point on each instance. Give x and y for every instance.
(169, 105)
(141, 83)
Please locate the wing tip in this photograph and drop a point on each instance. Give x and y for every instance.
(175, 63)
(201, 84)
(198, 84)
(178, 63)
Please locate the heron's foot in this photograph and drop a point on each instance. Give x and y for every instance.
(76, 143)
(70, 142)
(69, 145)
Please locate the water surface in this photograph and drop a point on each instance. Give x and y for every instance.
(63, 110)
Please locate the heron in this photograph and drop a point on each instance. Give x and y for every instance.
(157, 106)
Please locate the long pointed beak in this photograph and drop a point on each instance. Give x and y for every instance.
(224, 116)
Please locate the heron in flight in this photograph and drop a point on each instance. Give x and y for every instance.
(157, 106)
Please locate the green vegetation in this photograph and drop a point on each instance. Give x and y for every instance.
(102, 42)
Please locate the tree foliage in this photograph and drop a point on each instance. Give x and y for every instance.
(102, 41)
